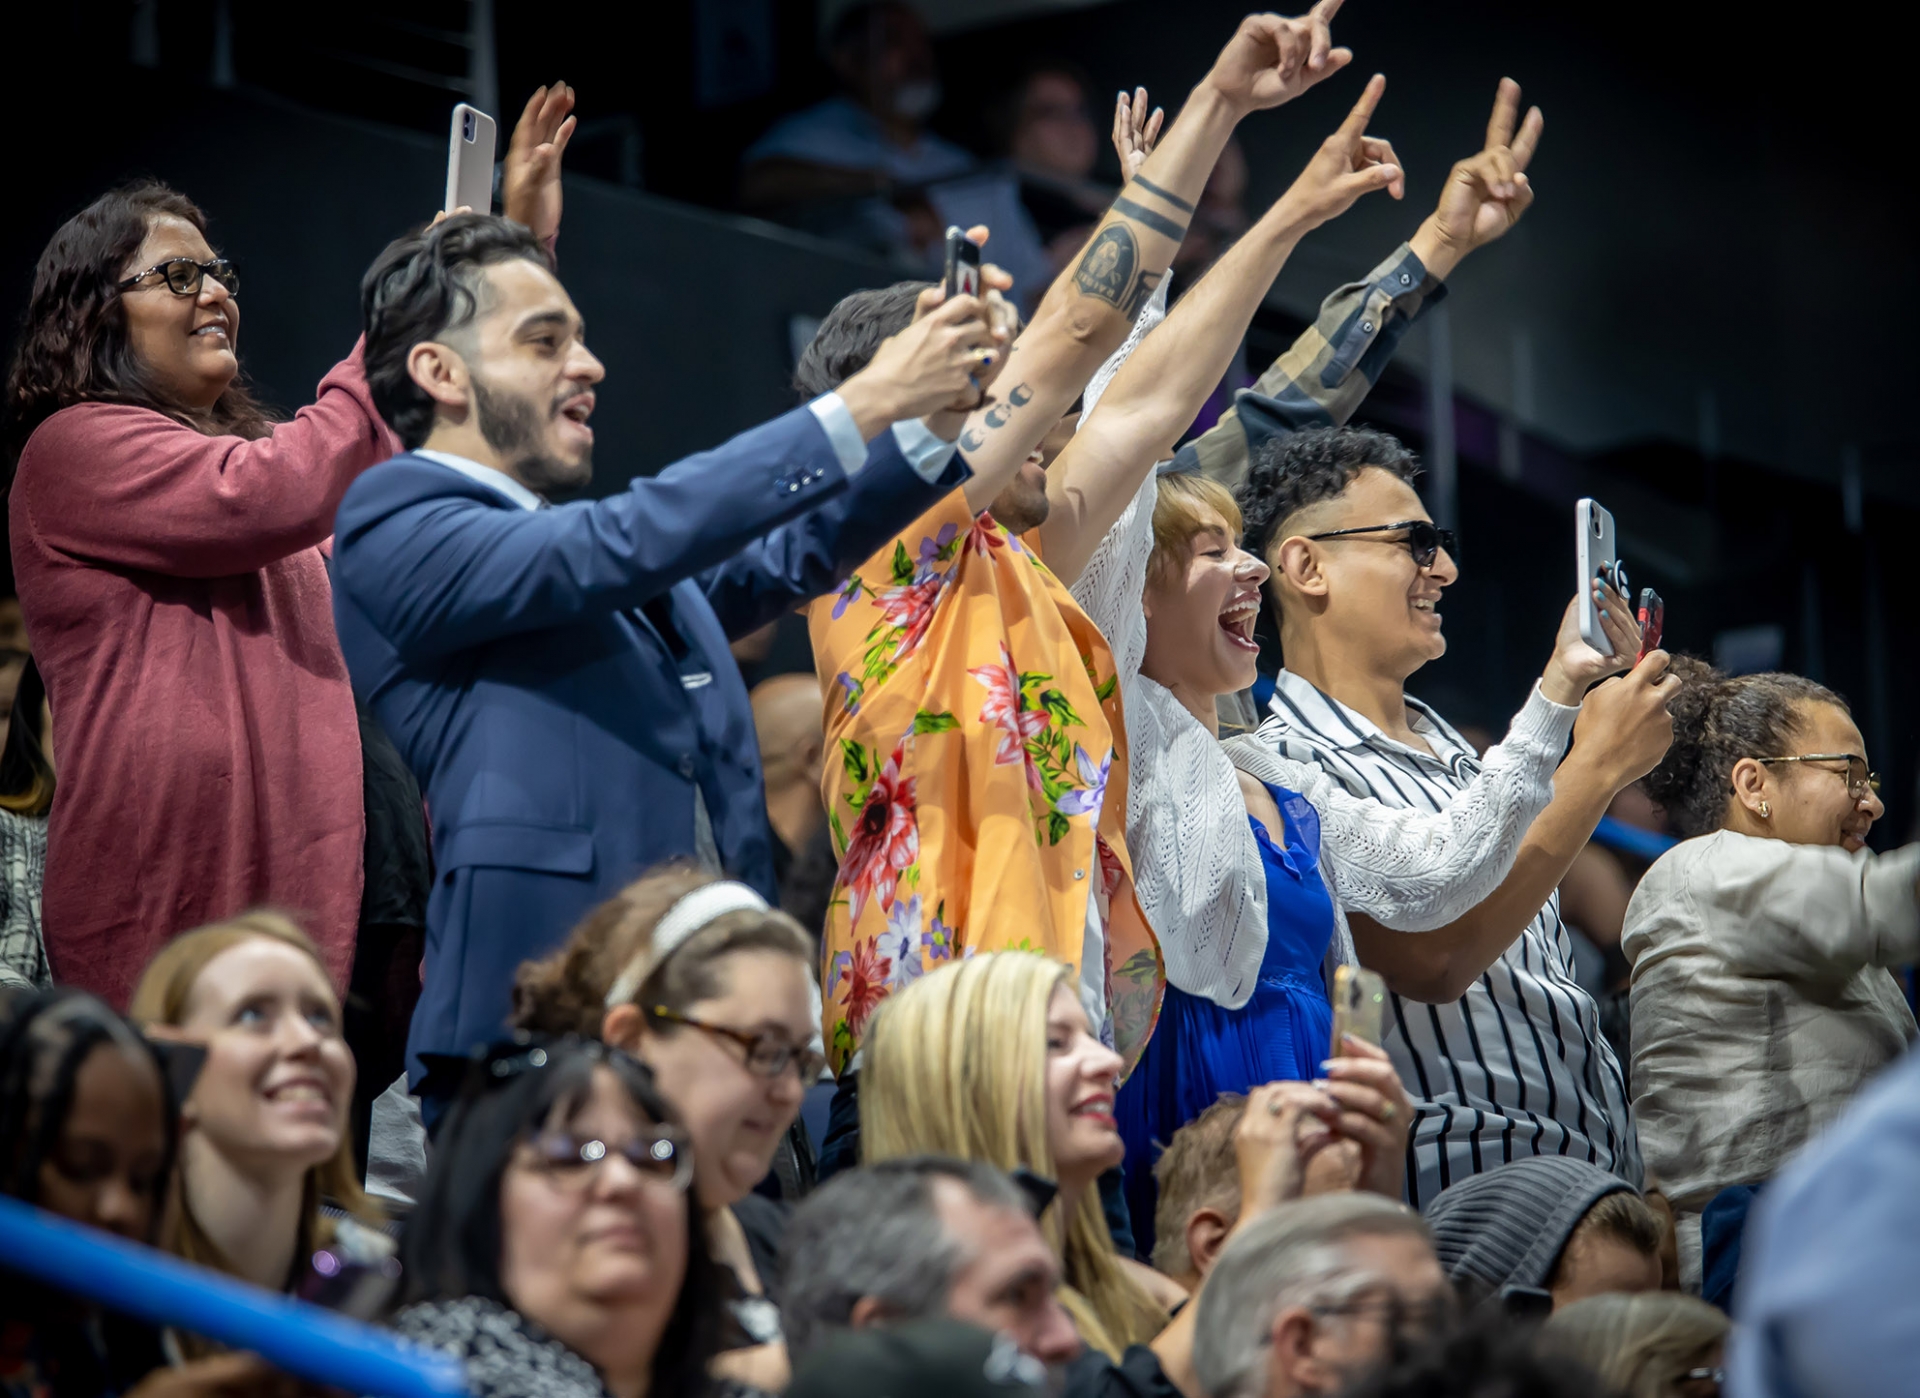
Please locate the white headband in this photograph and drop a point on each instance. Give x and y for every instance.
(686, 917)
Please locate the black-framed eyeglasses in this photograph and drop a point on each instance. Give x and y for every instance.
(662, 1154)
(1424, 539)
(1861, 782)
(767, 1055)
(184, 276)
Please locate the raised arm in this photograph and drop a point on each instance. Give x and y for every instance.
(1323, 375)
(1817, 913)
(1156, 393)
(1087, 311)
(1623, 731)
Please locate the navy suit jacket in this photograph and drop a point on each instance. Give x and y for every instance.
(559, 680)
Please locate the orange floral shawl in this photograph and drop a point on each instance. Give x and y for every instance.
(970, 721)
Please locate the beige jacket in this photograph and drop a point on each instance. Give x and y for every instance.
(1761, 1002)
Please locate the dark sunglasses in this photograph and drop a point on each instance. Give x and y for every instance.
(185, 276)
(1424, 539)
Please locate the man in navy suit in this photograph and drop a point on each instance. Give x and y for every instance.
(558, 676)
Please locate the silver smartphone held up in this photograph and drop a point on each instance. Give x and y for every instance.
(470, 160)
(1599, 558)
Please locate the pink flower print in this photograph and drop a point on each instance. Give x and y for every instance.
(1003, 711)
(886, 839)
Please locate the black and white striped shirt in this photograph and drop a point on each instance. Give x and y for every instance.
(1517, 1066)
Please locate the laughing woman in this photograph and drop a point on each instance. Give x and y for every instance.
(1244, 861)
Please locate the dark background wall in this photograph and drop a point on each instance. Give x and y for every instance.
(1702, 322)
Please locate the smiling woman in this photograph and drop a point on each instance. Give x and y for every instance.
(167, 542)
(266, 1140)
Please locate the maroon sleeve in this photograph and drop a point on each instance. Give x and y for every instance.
(132, 488)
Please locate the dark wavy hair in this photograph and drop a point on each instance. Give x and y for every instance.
(73, 347)
(451, 1246)
(1717, 720)
(851, 335)
(1301, 469)
(422, 286)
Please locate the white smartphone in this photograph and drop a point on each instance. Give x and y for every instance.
(1599, 558)
(470, 160)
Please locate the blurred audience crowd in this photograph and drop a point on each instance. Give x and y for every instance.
(406, 906)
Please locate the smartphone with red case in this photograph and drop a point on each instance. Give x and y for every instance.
(1652, 616)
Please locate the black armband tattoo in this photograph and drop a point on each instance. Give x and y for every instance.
(1182, 205)
(1141, 214)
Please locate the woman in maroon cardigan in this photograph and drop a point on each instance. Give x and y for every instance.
(167, 546)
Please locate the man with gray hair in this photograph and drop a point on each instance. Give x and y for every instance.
(1314, 1294)
(918, 1237)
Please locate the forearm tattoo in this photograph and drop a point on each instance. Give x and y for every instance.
(1182, 205)
(1111, 269)
(999, 415)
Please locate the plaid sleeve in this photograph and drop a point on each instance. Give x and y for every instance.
(1324, 374)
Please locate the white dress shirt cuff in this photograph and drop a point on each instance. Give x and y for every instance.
(843, 433)
(926, 453)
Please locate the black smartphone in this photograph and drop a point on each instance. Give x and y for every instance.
(963, 264)
(1652, 616)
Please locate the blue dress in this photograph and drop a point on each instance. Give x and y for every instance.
(1200, 1049)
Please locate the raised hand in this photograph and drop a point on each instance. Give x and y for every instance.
(1486, 194)
(1375, 1112)
(530, 184)
(1575, 665)
(1283, 1126)
(1348, 164)
(1134, 132)
(1624, 728)
(1271, 60)
(950, 352)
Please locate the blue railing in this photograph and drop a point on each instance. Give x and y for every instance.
(302, 1339)
(1631, 839)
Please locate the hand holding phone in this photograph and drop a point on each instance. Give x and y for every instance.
(963, 264)
(1652, 615)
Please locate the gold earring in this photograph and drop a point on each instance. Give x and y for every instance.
(1764, 812)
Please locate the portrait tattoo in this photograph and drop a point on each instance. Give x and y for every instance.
(1106, 271)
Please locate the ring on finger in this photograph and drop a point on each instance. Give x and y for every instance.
(1274, 1105)
(1387, 1111)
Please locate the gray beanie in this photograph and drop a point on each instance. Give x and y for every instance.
(1509, 1226)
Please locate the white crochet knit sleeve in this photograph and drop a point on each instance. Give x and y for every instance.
(1196, 868)
(1414, 871)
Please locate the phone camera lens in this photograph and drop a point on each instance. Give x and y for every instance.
(466, 126)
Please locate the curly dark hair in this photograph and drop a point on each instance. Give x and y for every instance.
(73, 347)
(1303, 468)
(1717, 720)
(419, 288)
(851, 334)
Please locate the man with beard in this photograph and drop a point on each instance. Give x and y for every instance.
(558, 676)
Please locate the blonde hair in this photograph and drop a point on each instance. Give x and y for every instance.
(1637, 1345)
(1180, 510)
(161, 998)
(955, 1064)
(566, 993)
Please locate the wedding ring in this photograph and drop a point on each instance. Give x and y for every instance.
(1274, 1104)
(1386, 1112)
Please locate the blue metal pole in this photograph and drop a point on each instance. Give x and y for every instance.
(302, 1339)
